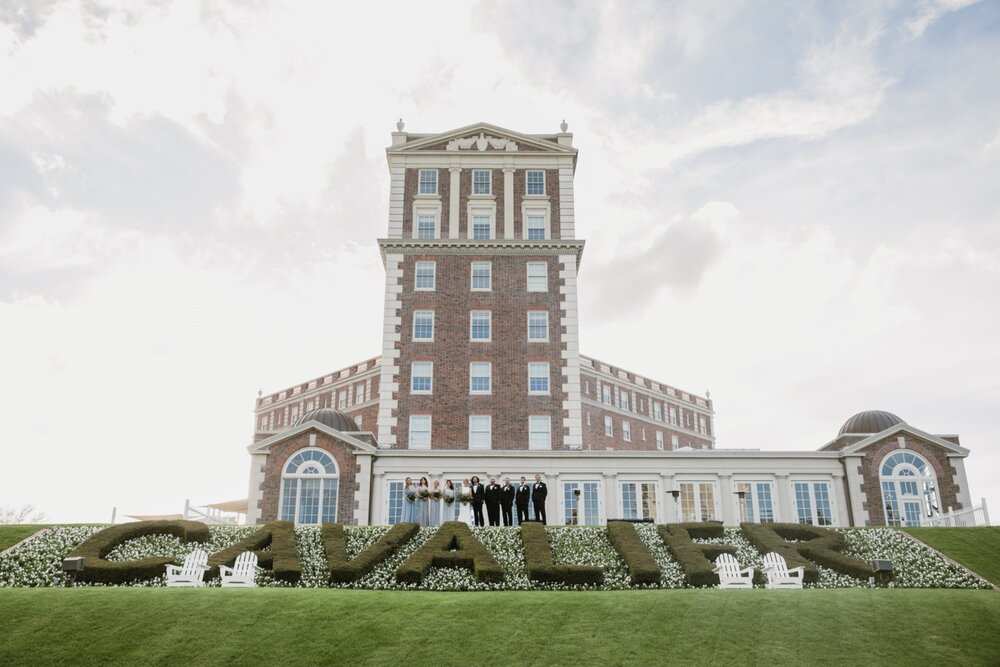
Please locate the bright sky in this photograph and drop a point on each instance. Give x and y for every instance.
(793, 205)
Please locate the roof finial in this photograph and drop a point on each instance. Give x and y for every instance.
(563, 126)
(400, 125)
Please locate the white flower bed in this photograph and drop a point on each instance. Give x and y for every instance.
(38, 562)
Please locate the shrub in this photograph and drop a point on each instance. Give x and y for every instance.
(538, 557)
(282, 558)
(695, 559)
(642, 568)
(453, 545)
(815, 545)
(97, 570)
(343, 570)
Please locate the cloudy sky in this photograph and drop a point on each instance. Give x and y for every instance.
(792, 205)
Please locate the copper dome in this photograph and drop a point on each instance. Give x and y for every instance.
(328, 417)
(870, 421)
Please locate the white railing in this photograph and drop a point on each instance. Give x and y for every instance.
(210, 515)
(973, 516)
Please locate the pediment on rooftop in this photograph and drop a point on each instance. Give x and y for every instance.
(482, 138)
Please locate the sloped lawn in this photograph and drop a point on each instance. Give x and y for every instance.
(976, 548)
(12, 534)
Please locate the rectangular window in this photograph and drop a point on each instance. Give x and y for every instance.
(623, 400)
(582, 510)
(538, 378)
(535, 183)
(420, 431)
(639, 500)
(803, 504)
(295, 413)
(480, 431)
(480, 377)
(626, 431)
(426, 226)
(538, 325)
(609, 427)
(536, 227)
(428, 182)
(423, 325)
(674, 442)
(812, 503)
(481, 182)
(606, 394)
(657, 412)
(539, 432)
(424, 274)
(538, 277)
(480, 325)
(673, 416)
(753, 502)
(421, 377)
(697, 501)
(394, 512)
(659, 439)
(481, 226)
(359, 394)
(341, 400)
(482, 276)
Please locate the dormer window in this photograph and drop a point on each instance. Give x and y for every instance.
(428, 182)
(481, 182)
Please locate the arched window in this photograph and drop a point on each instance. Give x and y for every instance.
(909, 489)
(309, 484)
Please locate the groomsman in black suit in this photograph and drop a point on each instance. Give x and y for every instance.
(523, 499)
(538, 493)
(478, 497)
(506, 500)
(493, 496)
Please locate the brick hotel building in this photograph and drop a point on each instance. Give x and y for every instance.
(481, 373)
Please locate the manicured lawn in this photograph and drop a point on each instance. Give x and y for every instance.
(976, 548)
(303, 626)
(12, 534)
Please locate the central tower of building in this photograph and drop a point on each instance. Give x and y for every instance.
(480, 346)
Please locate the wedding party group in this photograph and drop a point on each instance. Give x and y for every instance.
(430, 505)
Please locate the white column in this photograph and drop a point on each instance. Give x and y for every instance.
(667, 502)
(390, 355)
(785, 514)
(453, 193)
(508, 204)
(726, 498)
(842, 515)
(611, 510)
(376, 511)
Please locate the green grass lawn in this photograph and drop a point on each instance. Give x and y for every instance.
(329, 626)
(12, 534)
(976, 548)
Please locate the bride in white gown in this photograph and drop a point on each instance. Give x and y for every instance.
(465, 503)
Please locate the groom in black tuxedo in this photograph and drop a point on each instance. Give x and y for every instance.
(538, 494)
(523, 499)
(506, 500)
(493, 495)
(478, 497)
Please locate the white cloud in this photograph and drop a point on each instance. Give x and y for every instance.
(929, 11)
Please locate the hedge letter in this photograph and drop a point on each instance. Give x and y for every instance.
(819, 545)
(453, 545)
(282, 558)
(695, 559)
(640, 563)
(96, 547)
(538, 557)
(343, 570)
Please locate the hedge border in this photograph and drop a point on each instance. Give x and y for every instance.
(539, 564)
(642, 567)
(94, 550)
(696, 560)
(282, 558)
(818, 545)
(438, 551)
(342, 570)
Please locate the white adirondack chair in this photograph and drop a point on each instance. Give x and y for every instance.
(730, 574)
(778, 574)
(242, 574)
(191, 573)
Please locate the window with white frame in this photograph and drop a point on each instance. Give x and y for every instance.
(697, 501)
(609, 427)
(657, 411)
(659, 439)
(535, 183)
(606, 394)
(422, 377)
(672, 412)
(480, 431)
(423, 325)
(754, 502)
(341, 400)
(909, 489)
(482, 276)
(420, 431)
(482, 226)
(426, 226)
(538, 377)
(358, 420)
(309, 406)
(674, 442)
(480, 377)
(481, 182)
(639, 500)
(359, 394)
(424, 273)
(535, 226)
(309, 484)
(812, 503)
(623, 400)
(538, 325)
(539, 432)
(626, 431)
(295, 413)
(394, 502)
(480, 322)
(583, 509)
(538, 277)
(428, 182)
